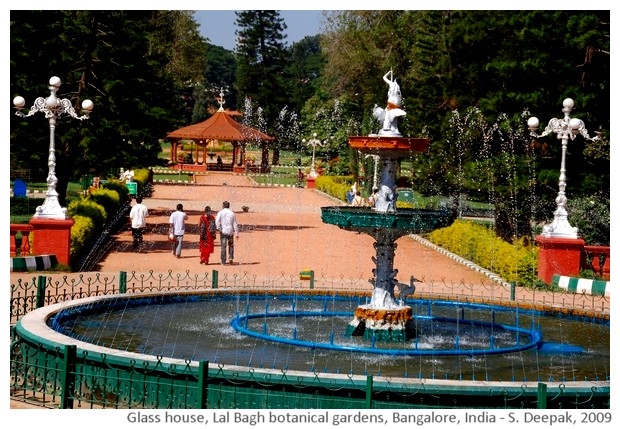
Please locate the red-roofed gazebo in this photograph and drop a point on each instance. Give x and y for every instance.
(221, 126)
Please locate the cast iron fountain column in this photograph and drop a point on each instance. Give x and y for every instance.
(385, 318)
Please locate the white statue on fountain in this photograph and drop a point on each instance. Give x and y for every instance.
(386, 200)
(389, 116)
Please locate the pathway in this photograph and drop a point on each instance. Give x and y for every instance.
(281, 234)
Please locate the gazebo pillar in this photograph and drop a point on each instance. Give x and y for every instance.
(242, 150)
(173, 150)
(204, 153)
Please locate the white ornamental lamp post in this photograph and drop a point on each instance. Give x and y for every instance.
(53, 108)
(314, 142)
(565, 128)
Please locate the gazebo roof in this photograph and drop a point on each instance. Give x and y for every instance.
(220, 126)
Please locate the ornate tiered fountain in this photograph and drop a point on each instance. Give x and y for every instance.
(386, 318)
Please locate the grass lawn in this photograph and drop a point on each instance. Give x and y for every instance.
(173, 176)
(275, 179)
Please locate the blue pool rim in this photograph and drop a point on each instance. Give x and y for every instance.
(535, 336)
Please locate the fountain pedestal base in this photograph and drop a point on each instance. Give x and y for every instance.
(395, 325)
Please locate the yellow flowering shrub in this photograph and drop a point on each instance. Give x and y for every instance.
(82, 234)
(478, 243)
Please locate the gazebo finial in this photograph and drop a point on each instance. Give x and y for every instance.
(221, 100)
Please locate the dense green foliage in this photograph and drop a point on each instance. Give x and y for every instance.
(591, 216)
(202, 97)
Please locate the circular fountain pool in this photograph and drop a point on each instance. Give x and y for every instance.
(305, 332)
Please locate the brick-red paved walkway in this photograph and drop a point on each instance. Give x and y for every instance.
(281, 234)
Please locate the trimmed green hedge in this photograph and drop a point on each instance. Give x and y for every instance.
(336, 186)
(88, 208)
(119, 187)
(478, 243)
(92, 212)
(82, 234)
(107, 198)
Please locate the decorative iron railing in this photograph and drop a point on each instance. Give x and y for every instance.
(29, 293)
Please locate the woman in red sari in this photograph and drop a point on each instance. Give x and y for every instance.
(207, 235)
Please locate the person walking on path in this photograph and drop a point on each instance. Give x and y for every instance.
(207, 235)
(177, 229)
(300, 178)
(226, 223)
(138, 214)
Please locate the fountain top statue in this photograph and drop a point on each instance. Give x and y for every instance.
(389, 116)
(394, 95)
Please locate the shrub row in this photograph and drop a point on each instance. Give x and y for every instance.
(336, 186)
(478, 243)
(93, 211)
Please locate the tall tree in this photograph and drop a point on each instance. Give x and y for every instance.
(219, 74)
(261, 60)
(304, 70)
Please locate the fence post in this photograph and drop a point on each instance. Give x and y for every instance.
(122, 282)
(203, 374)
(369, 391)
(68, 377)
(542, 396)
(513, 287)
(214, 275)
(41, 282)
(311, 279)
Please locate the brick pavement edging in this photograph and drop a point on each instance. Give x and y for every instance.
(33, 263)
(578, 285)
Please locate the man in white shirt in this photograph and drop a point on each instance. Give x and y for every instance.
(226, 223)
(138, 215)
(177, 229)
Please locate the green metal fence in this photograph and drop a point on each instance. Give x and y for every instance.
(66, 378)
(31, 292)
